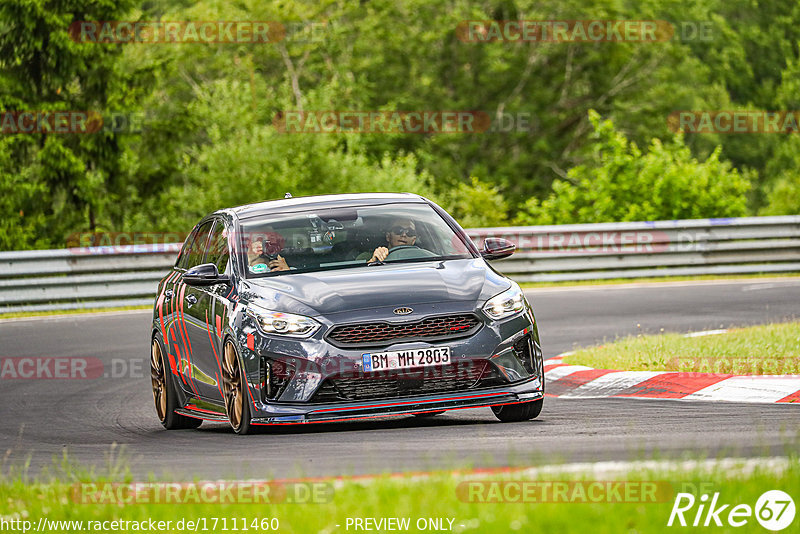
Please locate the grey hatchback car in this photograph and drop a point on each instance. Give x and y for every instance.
(337, 308)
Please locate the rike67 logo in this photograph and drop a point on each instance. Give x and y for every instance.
(774, 510)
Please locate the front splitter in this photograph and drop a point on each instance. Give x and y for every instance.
(394, 408)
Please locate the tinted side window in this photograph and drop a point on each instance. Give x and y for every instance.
(183, 257)
(218, 253)
(198, 248)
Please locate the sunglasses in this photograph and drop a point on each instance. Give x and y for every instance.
(399, 230)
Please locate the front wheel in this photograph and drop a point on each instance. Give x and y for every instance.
(235, 389)
(513, 413)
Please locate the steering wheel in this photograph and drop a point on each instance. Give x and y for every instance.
(398, 249)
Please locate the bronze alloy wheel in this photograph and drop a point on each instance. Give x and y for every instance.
(235, 391)
(158, 377)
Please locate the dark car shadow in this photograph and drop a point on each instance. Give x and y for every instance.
(400, 422)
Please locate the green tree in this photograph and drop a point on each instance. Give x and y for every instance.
(245, 159)
(477, 204)
(620, 182)
(75, 178)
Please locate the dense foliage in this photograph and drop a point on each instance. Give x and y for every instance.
(621, 183)
(208, 138)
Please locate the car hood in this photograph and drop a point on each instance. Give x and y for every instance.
(403, 284)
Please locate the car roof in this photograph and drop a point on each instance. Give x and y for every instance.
(320, 201)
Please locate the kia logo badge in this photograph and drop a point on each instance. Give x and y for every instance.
(403, 311)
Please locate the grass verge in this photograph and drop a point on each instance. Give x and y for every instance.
(758, 350)
(629, 500)
(18, 315)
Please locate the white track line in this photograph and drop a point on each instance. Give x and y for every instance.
(707, 333)
(561, 372)
(749, 389)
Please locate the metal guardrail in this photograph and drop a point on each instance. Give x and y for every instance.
(101, 277)
(646, 249)
(85, 277)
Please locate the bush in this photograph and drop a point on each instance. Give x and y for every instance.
(476, 204)
(621, 183)
(244, 159)
(783, 196)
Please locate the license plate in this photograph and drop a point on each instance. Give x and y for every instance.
(404, 359)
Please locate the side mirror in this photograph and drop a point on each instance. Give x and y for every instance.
(496, 248)
(204, 275)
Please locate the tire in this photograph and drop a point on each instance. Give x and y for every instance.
(429, 414)
(234, 386)
(165, 393)
(514, 413)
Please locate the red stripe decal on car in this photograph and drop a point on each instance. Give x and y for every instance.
(183, 318)
(180, 365)
(189, 353)
(214, 348)
(180, 333)
(179, 319)
(380, 416)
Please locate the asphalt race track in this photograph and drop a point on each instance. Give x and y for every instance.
(42, 419)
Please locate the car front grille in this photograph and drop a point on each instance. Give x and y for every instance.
(383, 333)
(458, 376)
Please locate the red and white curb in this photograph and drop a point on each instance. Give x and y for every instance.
(581, 382)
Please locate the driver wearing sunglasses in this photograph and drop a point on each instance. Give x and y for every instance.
(402, 233)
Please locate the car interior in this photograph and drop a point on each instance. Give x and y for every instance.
(312, 242)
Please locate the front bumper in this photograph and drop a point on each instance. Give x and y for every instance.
(527, 391)
(315, 360)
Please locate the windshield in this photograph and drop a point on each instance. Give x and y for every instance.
(342, 238)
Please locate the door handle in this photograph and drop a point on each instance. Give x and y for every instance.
(191, 299)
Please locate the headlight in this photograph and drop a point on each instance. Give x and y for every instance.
(283, 324)
(509, 302)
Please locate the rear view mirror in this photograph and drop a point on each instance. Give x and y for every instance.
(496, 248)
